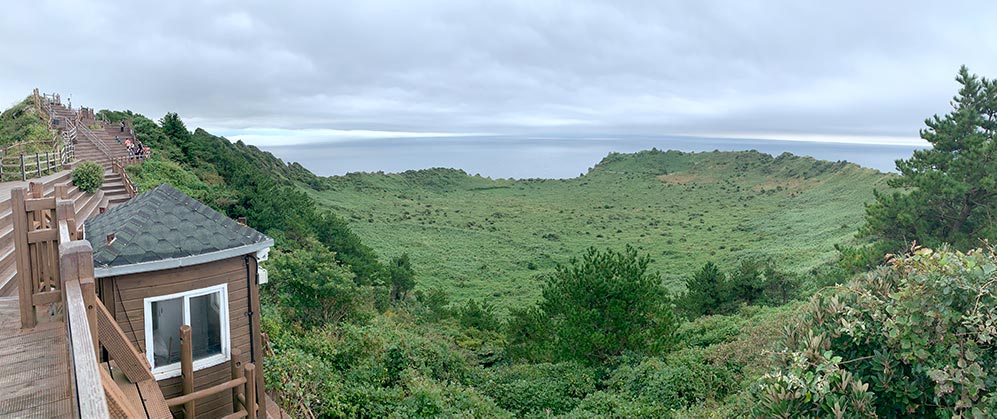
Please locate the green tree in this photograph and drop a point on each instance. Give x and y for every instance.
(174, 127)
(706, 291)
(313, 289)
(779, 286)
(747, 281)
(604, 304)
(952, 185)
(401, 276)
(478, 315)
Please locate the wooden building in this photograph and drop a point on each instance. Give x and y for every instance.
(163, 260)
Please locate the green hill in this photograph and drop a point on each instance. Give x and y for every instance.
(482, 238)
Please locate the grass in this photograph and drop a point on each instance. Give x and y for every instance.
(21, 125)
(490, 239)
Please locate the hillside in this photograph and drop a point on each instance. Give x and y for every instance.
(482, 238)
(22, 124)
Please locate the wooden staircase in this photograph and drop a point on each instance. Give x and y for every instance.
(114, 189)
(87, 205)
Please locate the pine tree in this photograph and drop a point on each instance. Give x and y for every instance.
(706, 291)
(953, 185)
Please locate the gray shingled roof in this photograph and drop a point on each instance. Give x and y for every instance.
(165, 225)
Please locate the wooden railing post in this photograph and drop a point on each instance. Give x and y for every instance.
(236, 363)
(76, 264)
(24, 175)
(61, 191)
(187, 368)
(65, 210)
(25, 287)
(251, 391)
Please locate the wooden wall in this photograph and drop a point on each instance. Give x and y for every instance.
(127, 293)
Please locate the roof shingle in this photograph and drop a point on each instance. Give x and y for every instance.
(163, 223)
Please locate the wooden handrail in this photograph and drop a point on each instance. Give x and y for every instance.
(242, 375)
(210, 391)
(86, 372)
(134, 365)
(93, 139)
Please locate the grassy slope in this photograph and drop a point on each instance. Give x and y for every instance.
(484, 238)
(21, 124)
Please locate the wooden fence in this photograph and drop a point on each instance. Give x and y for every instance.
(118, 165)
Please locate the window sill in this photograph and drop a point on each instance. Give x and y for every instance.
(173, 370)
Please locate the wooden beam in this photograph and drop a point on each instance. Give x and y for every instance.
(46, 297)
(37, 190)
(89, 390)
(255, 328)
(35, 204)
(236, 415)
(89, 289)
(236, 364)
(210, 391)
(251, 390)
(117, 401)
(152, 398)
(43, 235)
(120, 349)
(25, 288)
(187, 369)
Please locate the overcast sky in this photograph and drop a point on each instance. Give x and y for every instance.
(273, 72)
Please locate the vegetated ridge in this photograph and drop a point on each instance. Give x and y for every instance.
(485, 238)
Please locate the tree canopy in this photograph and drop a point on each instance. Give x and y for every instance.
(601, 305)
(952, 185)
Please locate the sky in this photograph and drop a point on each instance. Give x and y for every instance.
(277, 73)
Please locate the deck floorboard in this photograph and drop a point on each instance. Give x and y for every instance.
(34, 376)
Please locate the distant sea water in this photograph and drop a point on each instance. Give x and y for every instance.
(525, 157)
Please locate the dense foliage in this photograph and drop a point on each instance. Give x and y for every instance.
(952, 185)
(915, 338)
(88, 176)
(594, 309)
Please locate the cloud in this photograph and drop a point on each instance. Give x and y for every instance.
(850, 69)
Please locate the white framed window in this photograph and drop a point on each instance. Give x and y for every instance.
(205, 310)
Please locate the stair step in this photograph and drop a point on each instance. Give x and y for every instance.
(8, 282)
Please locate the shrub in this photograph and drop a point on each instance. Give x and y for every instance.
(597, 307)
(537, 389)
(88, 176)
(478, 315)
(915, 338)
(683, 380)
(602, 404)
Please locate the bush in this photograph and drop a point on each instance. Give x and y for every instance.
(915, 338)
(596, 308)
(478, 315)
(685, 379)
(538, 389)
(88, 176)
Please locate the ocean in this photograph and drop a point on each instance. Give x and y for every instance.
(532, 157)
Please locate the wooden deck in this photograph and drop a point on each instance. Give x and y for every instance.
(34, 379)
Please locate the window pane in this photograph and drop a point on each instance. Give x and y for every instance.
(166, 320)
(205, 325)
